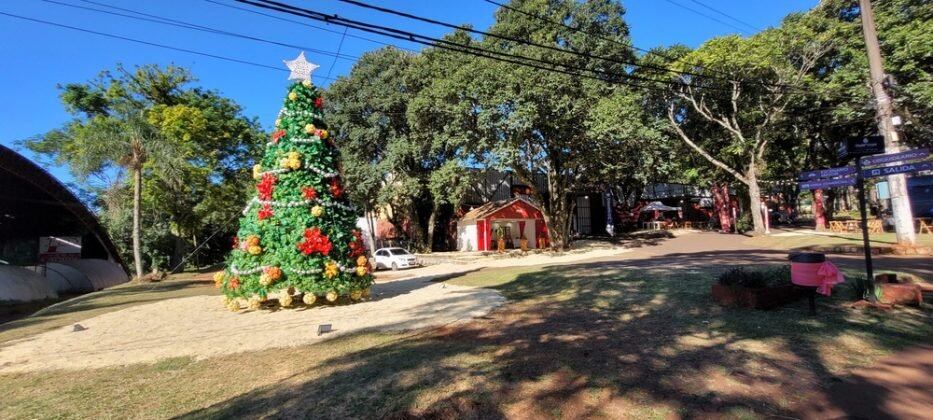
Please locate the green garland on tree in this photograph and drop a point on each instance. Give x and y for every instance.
(297, 238)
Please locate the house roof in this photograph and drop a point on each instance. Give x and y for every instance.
(492, 207)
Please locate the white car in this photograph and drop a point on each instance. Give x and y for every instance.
(394, 258)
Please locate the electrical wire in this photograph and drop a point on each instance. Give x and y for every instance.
(721, 13)
(181, 24)
(618, 78)
(279, 18)
(713, 18)
(139, 41)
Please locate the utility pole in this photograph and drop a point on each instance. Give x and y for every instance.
(897, 184)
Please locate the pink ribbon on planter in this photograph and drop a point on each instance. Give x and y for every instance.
(829, 276)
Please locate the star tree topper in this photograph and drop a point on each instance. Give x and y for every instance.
(300, 68)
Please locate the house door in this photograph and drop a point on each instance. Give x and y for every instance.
(584, 219)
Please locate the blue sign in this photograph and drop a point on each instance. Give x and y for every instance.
(897, 169)
(826, 173)
(895, 157)
(827, 183)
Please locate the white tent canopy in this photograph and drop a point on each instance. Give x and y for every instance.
(658, 206)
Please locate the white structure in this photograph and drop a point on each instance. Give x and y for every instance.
(18, 285)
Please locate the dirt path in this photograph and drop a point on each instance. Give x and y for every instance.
(202, 327)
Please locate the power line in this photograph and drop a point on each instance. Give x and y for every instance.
(719, 12)
(620, 78)
(730, 77)
(713, 18)
(339, 47)
(139, 41)
(513, 39)
(306, 24)
(181, 24)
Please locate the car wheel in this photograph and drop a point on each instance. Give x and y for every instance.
(394, 266)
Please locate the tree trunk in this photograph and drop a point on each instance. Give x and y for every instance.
(721, 206)
(819, 210)
(137, 198)
(754, 199)
(431, 221)
(556, 215)
(416, 232)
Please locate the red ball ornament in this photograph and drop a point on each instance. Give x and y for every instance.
(356, 244)
(266, 186)
(236, 242)
(335, 188)
(319, 102)
(315, 242)
(309, 192)
(265, 212)
(277, 135)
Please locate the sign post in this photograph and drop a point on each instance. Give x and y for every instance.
(860, 182)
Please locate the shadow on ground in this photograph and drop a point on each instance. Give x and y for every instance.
(635, 338)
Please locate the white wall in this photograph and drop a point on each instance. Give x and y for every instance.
(466, 236)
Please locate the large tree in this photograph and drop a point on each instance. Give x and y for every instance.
(179, 149)
(537, 118)
(739, 89)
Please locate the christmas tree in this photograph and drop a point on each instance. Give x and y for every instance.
(297, 238)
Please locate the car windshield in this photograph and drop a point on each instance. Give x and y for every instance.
(398, 251)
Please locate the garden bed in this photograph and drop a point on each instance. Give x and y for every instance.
(766, 288)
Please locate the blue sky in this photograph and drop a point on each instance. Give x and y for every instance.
(37, 57)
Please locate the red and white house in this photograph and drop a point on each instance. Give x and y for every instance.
(517, 217)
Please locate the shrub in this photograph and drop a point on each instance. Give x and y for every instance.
(862, 288)
(756, 278)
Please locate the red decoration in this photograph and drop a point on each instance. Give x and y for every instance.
(234, 283)
(309, 192)
(335, 188)
(277, 135)
(266, 212)
(356, 246)
(266, 186)
(315, 241)
(236, 242)
(319, 102)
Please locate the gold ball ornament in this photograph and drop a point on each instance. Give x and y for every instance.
(254, 250)
(265, 279)
(309, 128)
(306, 83)
(292, 96)
(331, 270)
(356, 295)
(361, 271)
(285, 300)
(254, 303)
(317, 211)
(219, 278)
(322, 134)
(257, 171)
(361, 261)
(309, 298)
(233, 305)
(331, 296)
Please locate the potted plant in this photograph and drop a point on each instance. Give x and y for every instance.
(500, 234)
(759, 289)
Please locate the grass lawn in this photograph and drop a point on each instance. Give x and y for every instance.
(583, 340)
(827, 239)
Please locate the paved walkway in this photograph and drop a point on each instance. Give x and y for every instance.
(707, 249)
